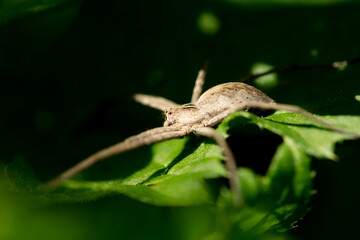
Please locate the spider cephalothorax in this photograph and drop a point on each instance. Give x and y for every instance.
(184, 115)
(205, 111)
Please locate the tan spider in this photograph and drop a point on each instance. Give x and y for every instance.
(205, 111)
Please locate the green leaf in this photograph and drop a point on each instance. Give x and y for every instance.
(275, 201)
(306, 135)
(170, 179)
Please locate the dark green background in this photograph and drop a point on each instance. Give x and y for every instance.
(68, 71)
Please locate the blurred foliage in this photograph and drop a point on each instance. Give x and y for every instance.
(266, 81)
(69, 68)
(13, 9)
(208, 23)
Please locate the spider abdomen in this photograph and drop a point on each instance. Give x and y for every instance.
(224, 96)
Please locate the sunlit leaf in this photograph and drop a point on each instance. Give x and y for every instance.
(169, 179)
(312, 138)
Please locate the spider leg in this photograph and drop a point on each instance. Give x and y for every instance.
(331, 66)
(199, 83)
(277, 106)
(229, 161)
(145, 138)
(154, 101)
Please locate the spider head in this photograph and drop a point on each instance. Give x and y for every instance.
(187, 114)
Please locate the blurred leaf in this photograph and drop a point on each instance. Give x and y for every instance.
(308, 136)
(12, 9)
(266, 81)
(24, 217)
(208, 23)
(19, 174)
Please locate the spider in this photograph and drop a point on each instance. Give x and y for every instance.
(205, 111)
